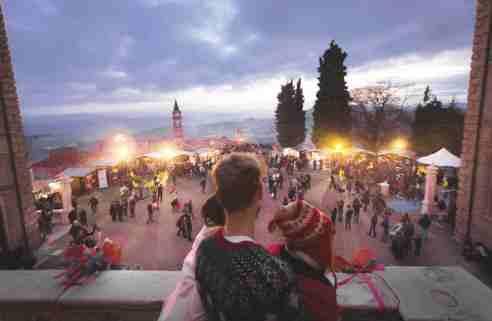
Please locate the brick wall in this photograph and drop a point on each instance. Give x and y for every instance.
(13, 183)
(475, 194)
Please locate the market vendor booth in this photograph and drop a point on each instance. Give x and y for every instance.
(440, 159)
(83, 179)
(104, 171)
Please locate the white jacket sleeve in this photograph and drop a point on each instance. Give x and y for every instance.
(184, 303)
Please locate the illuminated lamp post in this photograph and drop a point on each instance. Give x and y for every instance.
(399, 145)
(122, 151)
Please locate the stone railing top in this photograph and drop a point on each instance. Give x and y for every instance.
(439, 293)
(419, 293)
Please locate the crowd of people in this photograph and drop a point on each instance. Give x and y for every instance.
(285, 281)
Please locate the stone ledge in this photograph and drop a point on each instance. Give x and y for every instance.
(422, 293)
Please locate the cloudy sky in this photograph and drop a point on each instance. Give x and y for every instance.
(123, 55)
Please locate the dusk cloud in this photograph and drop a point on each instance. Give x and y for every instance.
(89, 56)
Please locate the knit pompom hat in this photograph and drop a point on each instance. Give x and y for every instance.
(302, 226)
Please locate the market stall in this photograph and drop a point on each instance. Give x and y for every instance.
(83, 179)
(440, 159)
(290, 152)
(104, 169)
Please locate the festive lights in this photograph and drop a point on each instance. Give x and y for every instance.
(399, 144)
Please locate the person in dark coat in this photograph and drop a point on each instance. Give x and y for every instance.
(334, 213)
(83, 217)
(132, 203)
(203, 184)
(160, 192)
(119, 211)
(356, 204)
(374, 223)
(348, 217)
(150, 213)
(72, 215)
(93, 202)
(113, 211)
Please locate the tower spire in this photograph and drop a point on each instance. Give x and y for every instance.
(176, 107)
(177, 121)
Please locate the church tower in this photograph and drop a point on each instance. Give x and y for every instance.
(177, 122)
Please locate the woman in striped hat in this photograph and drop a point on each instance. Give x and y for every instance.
(308, 250)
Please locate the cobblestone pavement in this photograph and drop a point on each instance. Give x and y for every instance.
(440, 248)
(156, 246)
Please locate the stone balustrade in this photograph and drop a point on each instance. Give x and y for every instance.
(407, 293)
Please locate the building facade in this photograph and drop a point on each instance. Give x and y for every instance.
(474, 207)
(17, 219)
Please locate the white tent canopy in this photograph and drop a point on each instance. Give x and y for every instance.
(306, 145)
(153, 155)
(76, 172)
(357, 150)
(441, 158)
(104, 163)
(205, 150)
(290, 152)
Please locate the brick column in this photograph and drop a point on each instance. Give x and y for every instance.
(16, 201)
(474, 217)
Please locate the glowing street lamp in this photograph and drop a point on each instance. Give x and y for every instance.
(399, 144)
(122, 153)
(119, 138)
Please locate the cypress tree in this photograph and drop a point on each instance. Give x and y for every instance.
(299, 118)
(331, 115)
(290, 118)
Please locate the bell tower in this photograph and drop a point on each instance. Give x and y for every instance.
(177, 122)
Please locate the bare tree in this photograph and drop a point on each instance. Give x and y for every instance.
(379, 115)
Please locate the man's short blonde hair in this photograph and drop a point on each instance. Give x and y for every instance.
(237, 178)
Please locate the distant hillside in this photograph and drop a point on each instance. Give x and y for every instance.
(260, 130)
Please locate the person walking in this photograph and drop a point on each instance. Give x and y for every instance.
(341, 205)
(285, 201)
(274, 190)
(356, 204)
(366, 199)
(72, 215)
(418, 239)
(348, 217)
(119, 210)
(113, 211)
(124, 208)
(93, 202)
(334, 212)
(425, 223)
(160, 192)
(386, 226)
(132, 203)
(150, 213)
(83, 217)
(203, 184)
(374, 223)
(408, 234)
(156, 210)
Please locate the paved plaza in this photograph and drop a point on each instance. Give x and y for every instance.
(156, 246)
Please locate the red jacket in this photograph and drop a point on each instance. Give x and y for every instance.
(319, 294)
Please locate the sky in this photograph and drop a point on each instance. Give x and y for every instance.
(128, 56)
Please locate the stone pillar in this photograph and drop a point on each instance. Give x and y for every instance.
(20, 224)
(430, 190)
(66, 191)
(474, 204)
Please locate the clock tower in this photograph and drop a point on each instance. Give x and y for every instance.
(177, 122)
